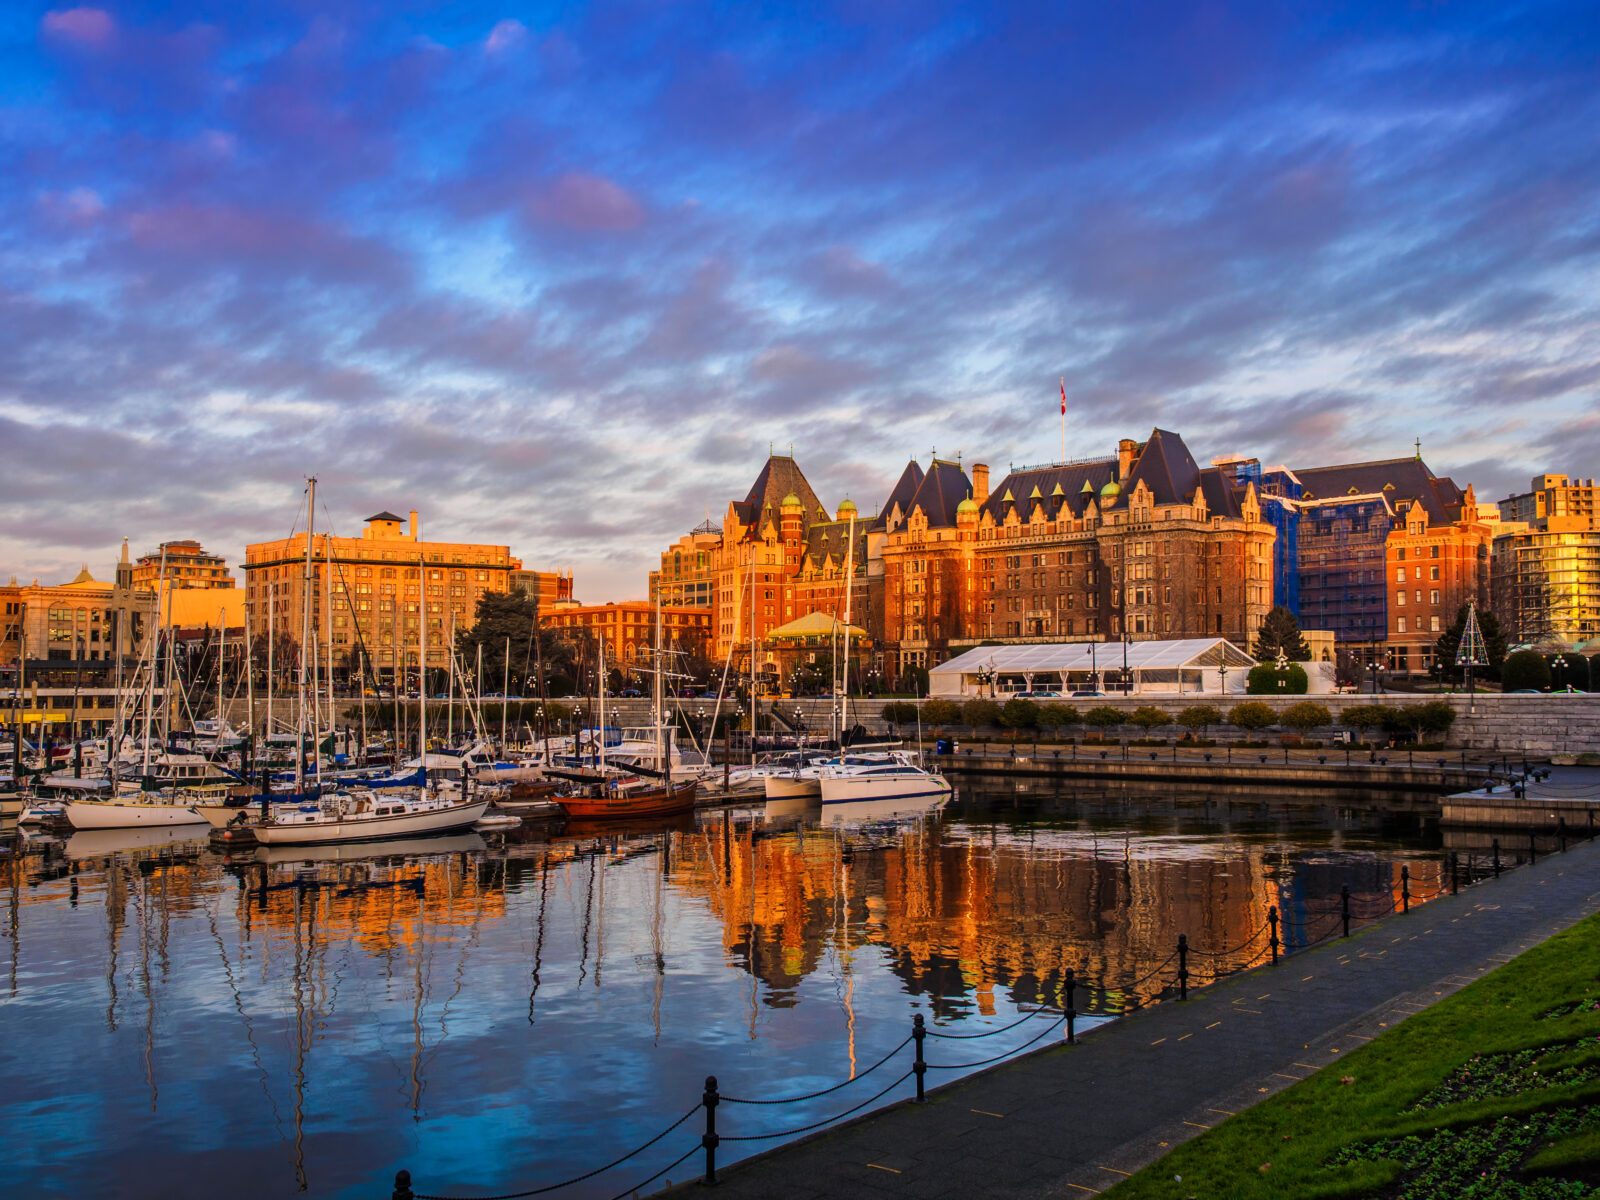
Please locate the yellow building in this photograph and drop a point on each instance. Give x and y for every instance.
(84, 619)
(686, 576)
(547, 588)
(196, 590)
(1545, 566)
(628, 628)
(368, 590)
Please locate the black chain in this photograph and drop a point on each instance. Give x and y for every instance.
(827, 1090)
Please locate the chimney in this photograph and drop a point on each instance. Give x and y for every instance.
(1125, 452)
(413, 524)
(980, 482)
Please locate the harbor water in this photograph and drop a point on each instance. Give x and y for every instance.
(495, 1014)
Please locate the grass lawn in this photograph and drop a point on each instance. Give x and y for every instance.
(1493, 1092)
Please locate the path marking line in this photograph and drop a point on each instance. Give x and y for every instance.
(881, 1167)
(1197, 1125)
(1213, 1024)
(1158, 1041)
(986, 1113)
(1082, 1188)
(1114, 1171)
(1223, 1111)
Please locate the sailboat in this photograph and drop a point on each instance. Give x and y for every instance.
(628, 797)
(362, 815)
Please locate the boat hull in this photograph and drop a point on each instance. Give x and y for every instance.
(657, 802)
(373, 829)
(99, 814)
(780, 787)
(849, 789)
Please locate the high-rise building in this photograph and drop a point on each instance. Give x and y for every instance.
(1433, 570)
(687, 576)
(367, 591)
(1546, 565)
(196, 589)
(546, 588)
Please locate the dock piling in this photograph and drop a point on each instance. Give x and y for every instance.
(1072, 1013)
(1344, 907)
(1272, 933)
(919, 1065)
(1183, 966)
(1405, 889)
(709, 1139)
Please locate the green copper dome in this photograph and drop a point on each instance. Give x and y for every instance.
(1111, 490)
(791, 501)
(847, 505)
(969, 505)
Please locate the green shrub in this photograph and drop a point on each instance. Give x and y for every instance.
(1306, 716)
(1363, 716)
(900, 712)
(1252, 714)
(1524, 669)
(1264, 680)
(1057, 716)
(980, 714)
(1103, 716)
(1019, 714)
(940, 712)
(1436, 716)
(1148, 717)
(1199, 716)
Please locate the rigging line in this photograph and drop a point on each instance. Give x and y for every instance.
(244, 1018)
(616, 1162)
(538, 941)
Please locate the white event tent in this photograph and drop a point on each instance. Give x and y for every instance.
(1174, 667)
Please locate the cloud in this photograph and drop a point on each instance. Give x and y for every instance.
(577, 200)
(506, 35)
(90, 28)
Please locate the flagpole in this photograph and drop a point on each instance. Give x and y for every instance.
(1063, 418)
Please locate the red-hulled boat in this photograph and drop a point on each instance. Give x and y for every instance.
(625, 804)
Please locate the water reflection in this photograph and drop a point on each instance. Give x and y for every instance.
(503, 1014)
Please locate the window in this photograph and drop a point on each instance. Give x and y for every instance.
(1433, 624)
(1399, 574)
(1400, 599)
(1400, 624)
(1433, 596)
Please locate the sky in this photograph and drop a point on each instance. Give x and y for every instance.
(559, 276)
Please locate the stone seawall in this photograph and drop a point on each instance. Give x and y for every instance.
(1495, 724)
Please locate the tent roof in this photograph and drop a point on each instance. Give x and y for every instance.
(814, 625)
(1107, 656)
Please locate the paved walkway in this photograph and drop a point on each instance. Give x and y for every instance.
(1073, 1120)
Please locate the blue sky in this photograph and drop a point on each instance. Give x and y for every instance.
(558, 275)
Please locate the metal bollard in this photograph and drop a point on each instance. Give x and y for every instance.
(1405, 889)
(1183, 966)
(1344, 906)
(1272, 933)
(1561, 833)
(1495, 848)
(709, 1139)
(919, 1066)
(1533, 849)
(1455, 874)
(1072, 1013)
(402, 1186)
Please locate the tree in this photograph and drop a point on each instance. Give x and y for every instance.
(1103, 716)
(1364, 716)
(1057, 716)
(1280, 634)
(940, 712)
(1266, 680)
(1200, 717)
(1252, 714)
(1306, 716)
(1449, 645)
(500, 617)
(1524, 670)
(1019, 714)
(914, 680)
(980, 714)
(1148, 717)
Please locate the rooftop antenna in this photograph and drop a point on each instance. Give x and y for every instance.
(1418, 445)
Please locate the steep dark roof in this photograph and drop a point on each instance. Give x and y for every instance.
(826, 539)
(942, 488)
(900, 496)
(385, 516)
(1070, 477)
(1165, 466)
(1222, 493)
(779, 476)
(1395, 478)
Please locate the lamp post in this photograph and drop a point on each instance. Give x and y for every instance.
(1558, 664)
(1223, 671)
(1127, 676)
(1373, 666)
(1094, 667)
(1283, 671)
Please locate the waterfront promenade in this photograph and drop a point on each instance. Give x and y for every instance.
(1074, 1120)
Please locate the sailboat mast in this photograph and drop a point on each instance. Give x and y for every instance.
(150, 682)
(658, 700)
(505, 693)
(849, 593)
(272, 638)
(422, 667)
(450, 689)
(601, 750)
(327, 620)
(222, 658)
(307, 654)
(249, 687)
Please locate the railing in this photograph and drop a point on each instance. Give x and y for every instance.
(1277, 937)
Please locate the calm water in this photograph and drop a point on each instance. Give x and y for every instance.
(495, 1016)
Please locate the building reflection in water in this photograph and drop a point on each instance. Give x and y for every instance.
(351, 967)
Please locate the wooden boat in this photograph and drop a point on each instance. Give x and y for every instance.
(626, 804)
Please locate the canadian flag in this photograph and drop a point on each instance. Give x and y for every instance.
(1063, 396)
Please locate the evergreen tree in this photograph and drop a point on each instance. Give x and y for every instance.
(1449, 644)
(513, 615)
(1281, 632)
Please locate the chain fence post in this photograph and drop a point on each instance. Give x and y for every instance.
(402, 1186)
(709, 1139)
(1533, 849)
(1072, 1013)
(1272, 932)
(1561, 832)
(1494, 847)
(1455, 874)
(1405, 889)
(919, 1066)
(1183, 966)
(1344, 907)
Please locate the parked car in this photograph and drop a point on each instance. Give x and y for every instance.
(1088, 694)
(1036, 695)
(631, 694)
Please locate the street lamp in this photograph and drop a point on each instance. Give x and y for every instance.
(1557, 665)
(1127, 676)
(1223, 671)
(1283, 671)
(1094, 667)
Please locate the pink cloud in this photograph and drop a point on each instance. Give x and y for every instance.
(84, 26)
(577, 200)
(504, 36)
